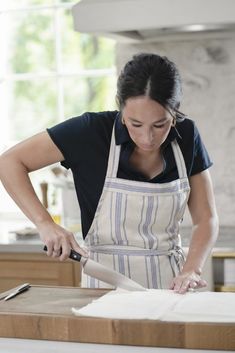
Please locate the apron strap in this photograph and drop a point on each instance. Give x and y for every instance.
(177, 259)
(114, 154)
(180, 163)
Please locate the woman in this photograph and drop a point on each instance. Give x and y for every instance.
(135, 170)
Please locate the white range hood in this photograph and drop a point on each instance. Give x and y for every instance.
(150, 19)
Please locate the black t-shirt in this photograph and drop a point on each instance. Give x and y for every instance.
(85, 141)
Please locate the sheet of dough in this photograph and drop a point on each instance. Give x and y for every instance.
(204, 307)
(155, 304)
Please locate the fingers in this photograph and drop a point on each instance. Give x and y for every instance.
(56, 251)
(50, 247)
(181, 287)
(193, 284)
(202, 283)
(187, 282)
(65, 250)
(78, 248)
(59, 242)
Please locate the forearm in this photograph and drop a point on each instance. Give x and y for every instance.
(15, 166)
(15, 178)
(203, 238)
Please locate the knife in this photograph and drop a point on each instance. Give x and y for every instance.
(103, 273)
(18, 291)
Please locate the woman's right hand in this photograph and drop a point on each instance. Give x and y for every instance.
(59, 241)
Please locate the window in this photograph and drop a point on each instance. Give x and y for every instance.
(48, 72)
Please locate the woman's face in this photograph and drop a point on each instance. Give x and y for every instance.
(147, 122)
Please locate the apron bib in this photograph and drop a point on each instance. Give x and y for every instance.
(135, 230)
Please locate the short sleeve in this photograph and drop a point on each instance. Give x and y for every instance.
(84, 140)
(201, 159)
(69, 136)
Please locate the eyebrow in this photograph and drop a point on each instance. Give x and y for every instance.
(155, 122)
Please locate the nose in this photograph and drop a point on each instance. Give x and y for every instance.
(148, 137)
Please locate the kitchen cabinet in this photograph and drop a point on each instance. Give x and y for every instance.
(23, 260)
(223, 258)
(224, 271)
(36, 268)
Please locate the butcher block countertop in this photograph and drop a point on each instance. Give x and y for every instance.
(45, 313)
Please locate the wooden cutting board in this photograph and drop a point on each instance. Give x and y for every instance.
(45, 313)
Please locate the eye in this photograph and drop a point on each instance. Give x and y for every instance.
(159, 126)
(136, 125)
(163, 124)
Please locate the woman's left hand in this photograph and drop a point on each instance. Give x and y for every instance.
(187, 281)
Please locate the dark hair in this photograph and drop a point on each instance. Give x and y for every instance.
(154, 76)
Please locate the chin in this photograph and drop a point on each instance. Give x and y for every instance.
(147, 148)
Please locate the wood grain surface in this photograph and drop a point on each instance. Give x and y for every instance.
(45, 313)
(38, 269)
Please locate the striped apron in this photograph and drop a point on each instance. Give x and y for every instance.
(135, 230)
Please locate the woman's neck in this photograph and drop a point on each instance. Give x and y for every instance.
(148, 154)
(150, 163)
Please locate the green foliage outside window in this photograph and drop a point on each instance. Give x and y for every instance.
(55, 65)
(32, 47)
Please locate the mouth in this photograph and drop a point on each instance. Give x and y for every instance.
(146, 147)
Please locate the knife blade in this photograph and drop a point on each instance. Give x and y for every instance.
(18, 291)
(103, 273)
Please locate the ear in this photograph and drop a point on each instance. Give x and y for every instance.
(173, 121)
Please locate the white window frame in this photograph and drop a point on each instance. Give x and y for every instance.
(58, 74)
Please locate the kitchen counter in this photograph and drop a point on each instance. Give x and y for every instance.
(13, 345)
(20, 254)
(22, 260)
(224, 243)
(10, 242)
(45, 314)
(30, 245)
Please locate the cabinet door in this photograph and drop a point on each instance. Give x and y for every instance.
(16, 269)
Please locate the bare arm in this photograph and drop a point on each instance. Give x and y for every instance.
(205, 231)
(15, 164)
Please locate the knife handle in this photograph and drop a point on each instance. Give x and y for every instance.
(74, 255)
